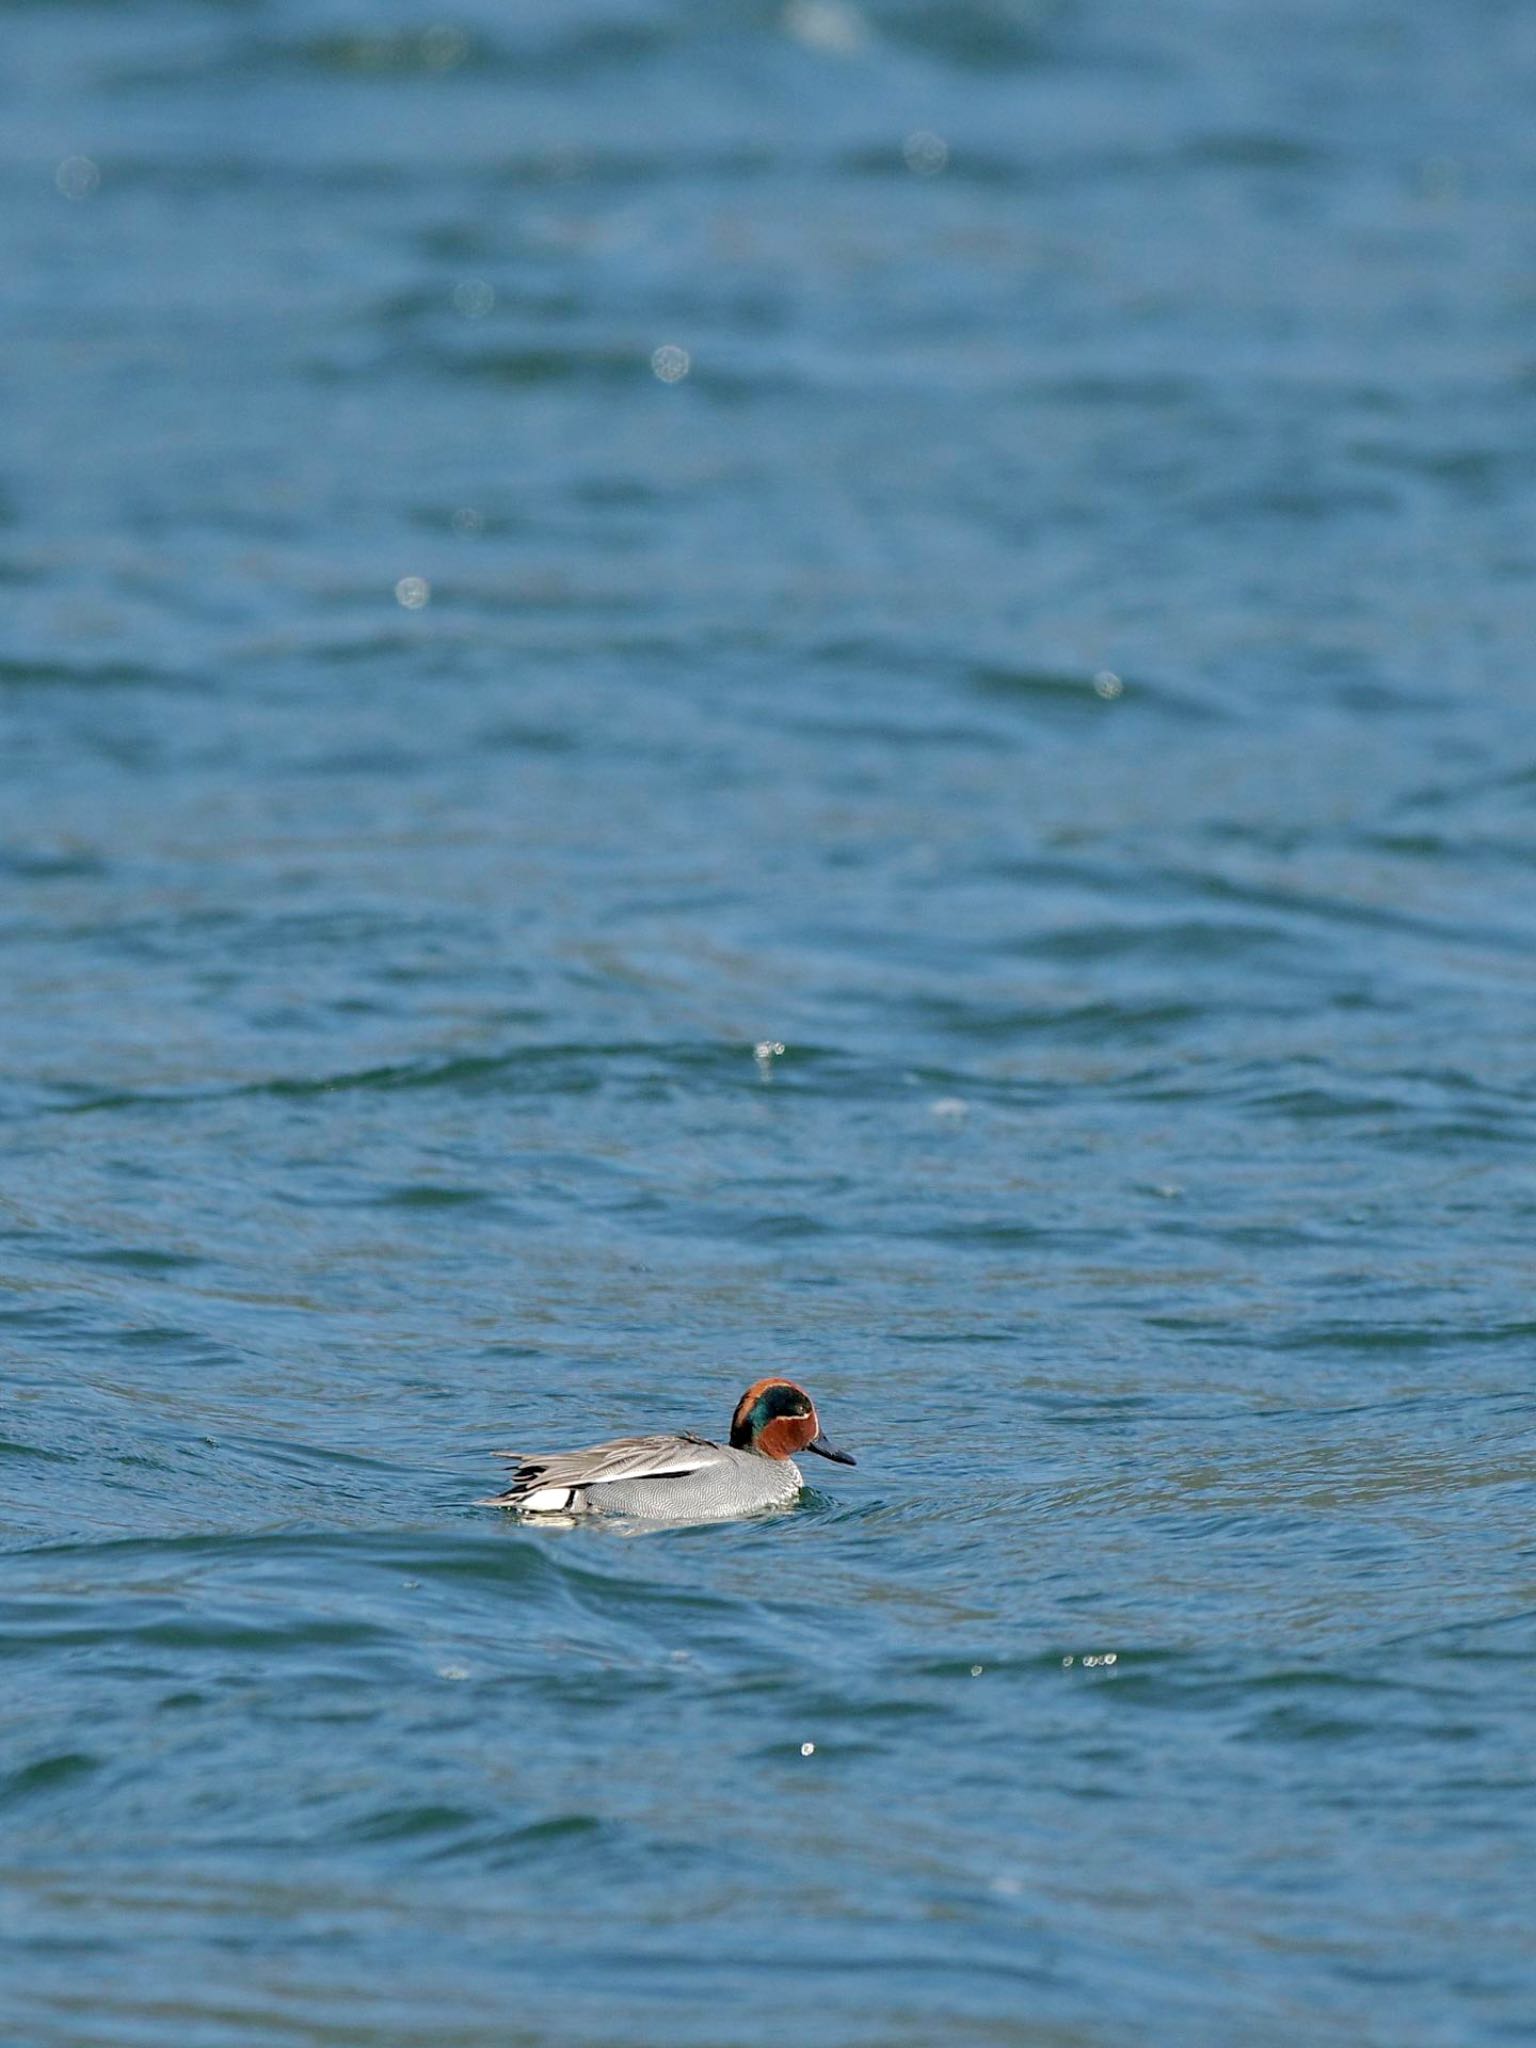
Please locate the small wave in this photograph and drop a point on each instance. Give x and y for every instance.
(59, 1772)
(47, 673)
(1081, 693)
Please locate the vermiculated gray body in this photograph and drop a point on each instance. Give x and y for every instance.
(660, 1478)
(741, 1482)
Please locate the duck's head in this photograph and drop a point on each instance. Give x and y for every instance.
(777, 1418)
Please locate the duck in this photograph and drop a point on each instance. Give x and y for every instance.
(680, 1477)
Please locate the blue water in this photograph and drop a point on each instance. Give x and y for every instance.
(1058, 663)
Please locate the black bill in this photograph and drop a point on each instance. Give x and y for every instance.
(825, 1450)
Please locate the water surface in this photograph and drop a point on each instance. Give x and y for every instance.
(1058, 665)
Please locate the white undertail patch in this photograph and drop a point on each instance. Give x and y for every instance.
(546, 1500)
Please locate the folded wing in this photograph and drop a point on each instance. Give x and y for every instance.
(551, 1482)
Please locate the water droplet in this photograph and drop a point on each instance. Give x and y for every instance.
(412, 592)
(77, 177)
(474, 298)
(926, 154)
(826, 25)
(1108, 685)
(671, 363)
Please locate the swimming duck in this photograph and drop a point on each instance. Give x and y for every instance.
(680, 1478)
